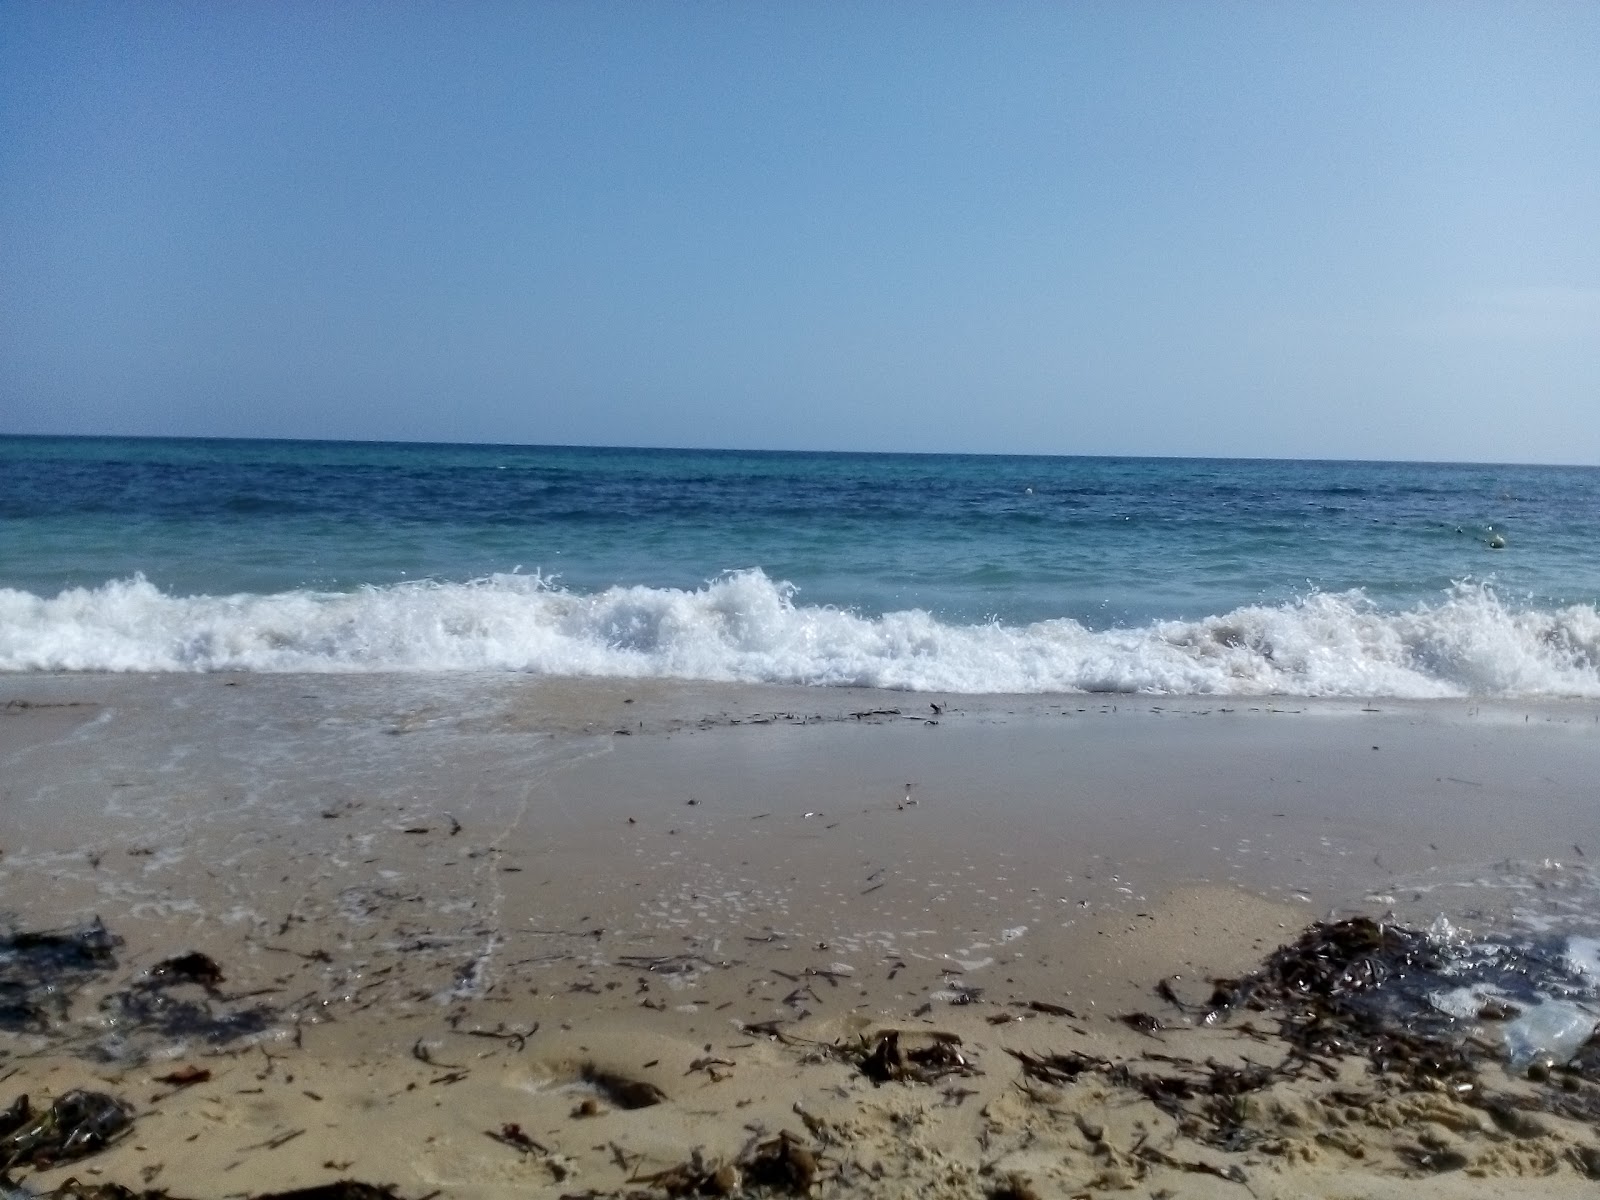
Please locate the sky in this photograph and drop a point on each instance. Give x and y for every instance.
(1347, 230)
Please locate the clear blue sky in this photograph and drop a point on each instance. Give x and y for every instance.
(1286, 229)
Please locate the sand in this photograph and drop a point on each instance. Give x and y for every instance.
(460, 901)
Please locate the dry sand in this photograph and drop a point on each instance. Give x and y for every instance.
(464, 901)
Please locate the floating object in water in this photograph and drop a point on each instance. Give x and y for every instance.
(1551, 1032)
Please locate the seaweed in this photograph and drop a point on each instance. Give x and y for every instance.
(186, 968)
(1013, 1187)
(185, 1076)
(76, 1125)
(909, 1057)
(344, 1189)
(89, 947)
(781, 1164)
(1202, 1096)
(15, 1115)
(511, 1134)
(154, 1008)
(622, 1091)
(697, 1177)
(41, 971)
(1359, 986)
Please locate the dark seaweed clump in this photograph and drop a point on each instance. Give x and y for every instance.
(76, 1125)
(1359, 986)
(42, 970)
(43, 973)
(780, 1165)
(178, 998)
(81, 1123)
(922, 1056)
(344, 1189)
(1366, 987)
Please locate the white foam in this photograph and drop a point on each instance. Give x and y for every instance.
(746, 627)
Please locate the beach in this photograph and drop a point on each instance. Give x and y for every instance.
(465, 921)
(780, 602)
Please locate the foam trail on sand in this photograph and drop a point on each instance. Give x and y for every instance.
(746, 627)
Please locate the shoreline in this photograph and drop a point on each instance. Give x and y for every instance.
(647, 870)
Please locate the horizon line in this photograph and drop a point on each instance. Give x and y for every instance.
(488, 445)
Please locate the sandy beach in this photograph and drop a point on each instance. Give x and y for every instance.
(486, 936)
(698, 601)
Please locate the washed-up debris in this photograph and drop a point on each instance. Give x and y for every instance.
(709, 1064)
(1333, 962)
(41, 971)
(76, 1125)
(904, 1056)
(1013, 1187)
(781, 1164)
(162, 1010)
(1327, 991)
(421, 1052)
(518, 1038)
(697, 1177)
(1141, 1022)
(1232, 1173)
(1059, 1069)
(620, 1090)
(186, 968)
(1553, 1031)
(1050, 1010)
(768, 1029)
(672, 964)
(91, 946)
(1413, 1004)
(344, 1189)
(278, 1141)
(1201, 1097)
(511, 1134)
(186, 1076)
(1365, 987)
(15, 1115)
(1433, 1158)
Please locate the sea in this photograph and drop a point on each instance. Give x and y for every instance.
(927, 573)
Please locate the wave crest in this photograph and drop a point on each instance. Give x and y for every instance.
(745, 627)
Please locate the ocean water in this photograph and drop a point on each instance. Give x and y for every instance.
(922, 572)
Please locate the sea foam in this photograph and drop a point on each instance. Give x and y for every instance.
(746, 627)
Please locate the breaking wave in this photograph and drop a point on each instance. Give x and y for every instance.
(745, 627)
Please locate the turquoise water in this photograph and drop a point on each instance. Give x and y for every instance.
(130, 553)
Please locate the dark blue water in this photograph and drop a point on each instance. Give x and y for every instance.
(965, 541)
(1101, 540)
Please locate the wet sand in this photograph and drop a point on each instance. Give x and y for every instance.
(460, 898)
